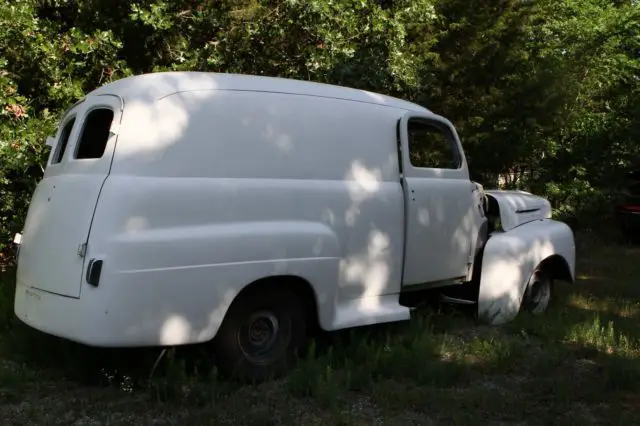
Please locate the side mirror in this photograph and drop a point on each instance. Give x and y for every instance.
(50, 141)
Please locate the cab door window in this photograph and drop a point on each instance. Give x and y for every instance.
(432, 146)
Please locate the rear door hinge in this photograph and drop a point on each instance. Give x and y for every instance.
(82, 249)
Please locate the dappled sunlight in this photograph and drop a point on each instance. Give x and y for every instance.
(442, 230)
(465, 237)
(150, 128)
(135, 224)
(175, 330)
(603, 336)
(363, 183)
(507, 256)
(467, 229)
(329, 217)
(370, 266)
(503, 270)
(153, 120)
(281, 140)
(375, 96)
(609, 306)
(155, 86)
(424, 218)
(583, 302)
(361, 178)
(217, 314)
(519, 207)
(272, 128)
(369, 270)
(178, 320)
(590, 278)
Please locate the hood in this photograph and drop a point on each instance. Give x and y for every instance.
(519, 207)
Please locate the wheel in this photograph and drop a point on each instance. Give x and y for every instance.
(538, 294)
(260, 335)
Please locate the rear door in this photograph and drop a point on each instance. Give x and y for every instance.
(61, 211)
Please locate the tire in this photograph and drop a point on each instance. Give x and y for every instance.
(537, 297)
(260, 335)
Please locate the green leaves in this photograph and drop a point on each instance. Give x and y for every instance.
(545, 90)
(155, 15)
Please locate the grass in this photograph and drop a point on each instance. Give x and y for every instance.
(577, 364)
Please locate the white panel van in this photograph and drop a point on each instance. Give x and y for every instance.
(180, 208)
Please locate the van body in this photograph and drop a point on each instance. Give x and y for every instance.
(173, 203)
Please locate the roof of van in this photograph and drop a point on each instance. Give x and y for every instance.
(154, 86)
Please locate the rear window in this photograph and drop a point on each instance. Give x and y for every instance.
(64, 140)
(95, 134)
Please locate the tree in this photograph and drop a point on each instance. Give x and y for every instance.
(545, 92)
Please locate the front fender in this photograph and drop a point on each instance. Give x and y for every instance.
(509, 260)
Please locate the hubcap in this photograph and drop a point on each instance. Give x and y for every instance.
(260, 336)
(539, 294)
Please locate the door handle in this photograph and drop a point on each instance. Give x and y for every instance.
(93, 272)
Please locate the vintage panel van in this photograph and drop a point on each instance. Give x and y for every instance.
(188, 207)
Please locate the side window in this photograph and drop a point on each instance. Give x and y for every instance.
(95, 134)
(432, 146)
(64, 140)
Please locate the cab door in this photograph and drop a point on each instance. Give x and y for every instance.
(442, 218)
(59, 219)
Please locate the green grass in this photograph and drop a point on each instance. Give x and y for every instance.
(577, 364)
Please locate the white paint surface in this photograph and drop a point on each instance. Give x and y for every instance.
(510, 258)
(217, 181)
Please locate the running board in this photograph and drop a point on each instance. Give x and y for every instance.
(455, 300)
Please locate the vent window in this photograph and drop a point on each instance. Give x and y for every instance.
(95, 134)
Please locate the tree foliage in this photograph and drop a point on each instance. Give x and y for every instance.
(543, 92)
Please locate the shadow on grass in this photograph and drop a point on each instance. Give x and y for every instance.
(583, 352)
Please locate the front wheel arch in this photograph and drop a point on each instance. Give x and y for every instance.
(557, 268)
(509, 260)
(552, 268)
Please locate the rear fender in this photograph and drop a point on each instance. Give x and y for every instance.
(509, 260)
(196, 272)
